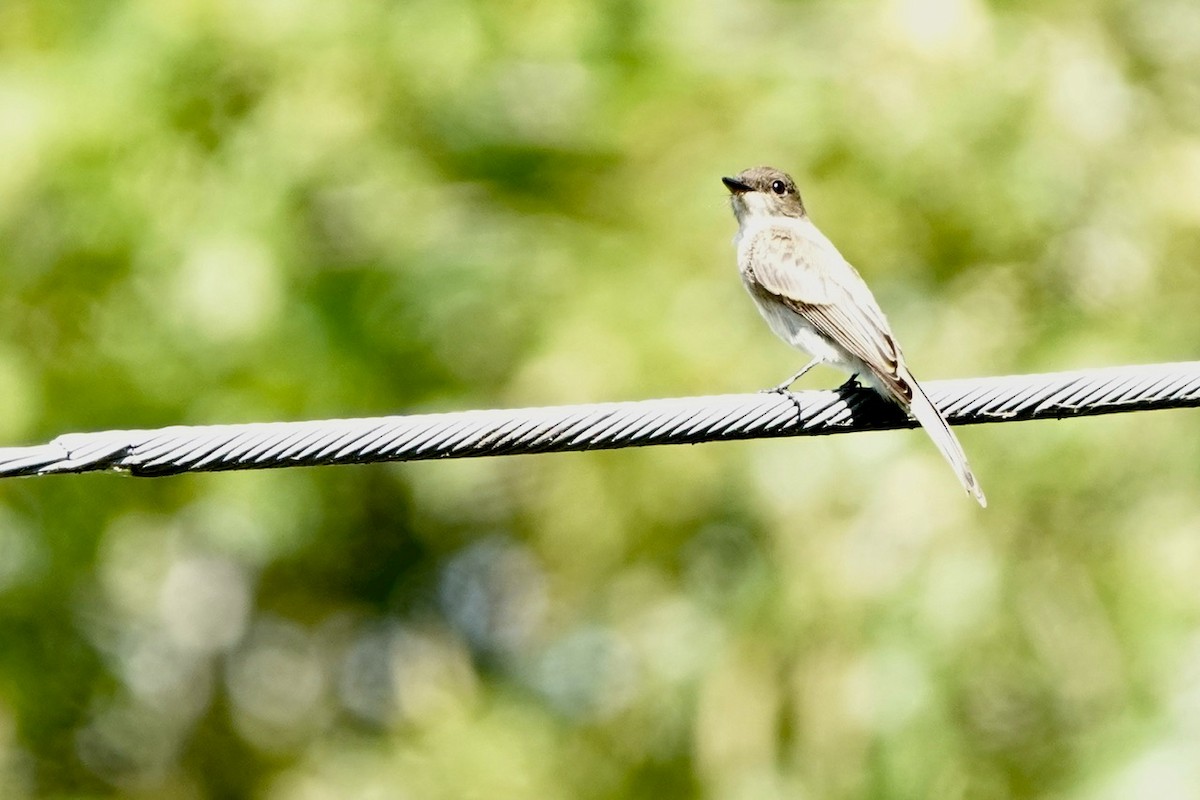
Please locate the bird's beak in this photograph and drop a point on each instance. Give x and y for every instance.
(735, 186)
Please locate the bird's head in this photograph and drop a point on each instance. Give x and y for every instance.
(763, 192)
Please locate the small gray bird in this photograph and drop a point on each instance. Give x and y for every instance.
(815, 301)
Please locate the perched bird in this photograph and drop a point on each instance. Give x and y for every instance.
(815, 301)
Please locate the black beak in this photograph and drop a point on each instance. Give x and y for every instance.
(735, 186)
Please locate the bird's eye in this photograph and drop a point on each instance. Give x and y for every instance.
(778, 187)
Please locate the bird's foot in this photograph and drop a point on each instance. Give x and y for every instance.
(851, 384)
(783, 391)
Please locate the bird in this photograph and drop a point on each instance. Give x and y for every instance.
(814, 300)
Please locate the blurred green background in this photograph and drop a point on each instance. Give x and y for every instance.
(220, 211)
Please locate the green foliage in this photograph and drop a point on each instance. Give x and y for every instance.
(214, 211)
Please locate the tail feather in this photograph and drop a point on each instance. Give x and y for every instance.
(938, 429)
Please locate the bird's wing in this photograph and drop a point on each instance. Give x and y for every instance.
(809, 275)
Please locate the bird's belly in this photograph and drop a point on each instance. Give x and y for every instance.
(796, 331)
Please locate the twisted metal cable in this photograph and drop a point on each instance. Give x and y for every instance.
(688, 420)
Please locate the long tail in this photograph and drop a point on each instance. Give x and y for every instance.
(939, 430)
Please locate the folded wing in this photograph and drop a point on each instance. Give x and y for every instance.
(809, 275)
